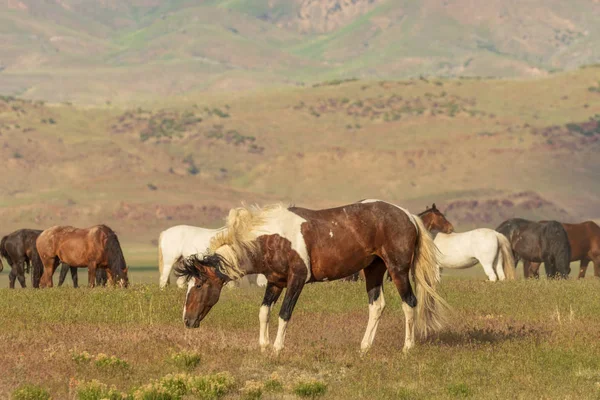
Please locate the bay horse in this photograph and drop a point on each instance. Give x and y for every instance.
(91, 248)
(584, 239)
(535, 242)
(182, 241)
(465, 249)
(18, 248)
(295, 246)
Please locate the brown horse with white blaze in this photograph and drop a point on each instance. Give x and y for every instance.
(295, 246)
(91, 248)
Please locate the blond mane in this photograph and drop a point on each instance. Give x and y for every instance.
(238, 241)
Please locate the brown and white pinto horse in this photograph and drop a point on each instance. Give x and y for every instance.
(95, 247)
(584, 239)
(295, 246)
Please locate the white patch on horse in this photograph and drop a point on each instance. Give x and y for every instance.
(288, 225)
(191, 284)
(410, 216)
(330, 233)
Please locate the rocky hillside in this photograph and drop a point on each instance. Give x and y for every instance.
(93, 51)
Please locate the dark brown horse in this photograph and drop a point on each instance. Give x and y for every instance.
(18, 248)
(584, 239)
(295, 246)
(92, 248)
(535, 242)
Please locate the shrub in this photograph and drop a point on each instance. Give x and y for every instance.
(310, 389)
(186, 360)
(273, 385)
(96, 390)
(211, 386)
(459, 390)
(30, 392)
(81, 358)
(113, 362)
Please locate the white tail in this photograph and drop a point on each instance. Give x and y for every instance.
(508, 261)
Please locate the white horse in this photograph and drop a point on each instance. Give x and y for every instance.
(466, 249)
(183, 241)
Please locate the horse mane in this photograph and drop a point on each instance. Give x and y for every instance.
(186, 267)
(114, 253)
(238, 241)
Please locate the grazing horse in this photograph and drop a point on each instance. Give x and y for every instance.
(466, 249)
(584, 239)
(182, 241)
(535, 242)
(95, 247)
(18, 248)
(295, 246)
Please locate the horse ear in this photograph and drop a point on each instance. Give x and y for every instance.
(433, 207)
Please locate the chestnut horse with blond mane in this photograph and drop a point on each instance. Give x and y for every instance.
(91, 248)
(295, 246)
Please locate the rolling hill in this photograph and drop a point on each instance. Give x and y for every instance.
(91, 51)
(482, 149)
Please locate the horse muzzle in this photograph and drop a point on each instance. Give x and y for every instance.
(191, 323)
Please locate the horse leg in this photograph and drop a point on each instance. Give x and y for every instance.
(92, 275)
(596, 262)
(165, 274)
(499, 265)
(271, 295)
(74, 276)
(374, 282)
(399, 272)
(20, 268)
(549, 264)
(583, 268)
(488, 268)
(64, 268)
(534, 270)
(12, 277)
(296, 282)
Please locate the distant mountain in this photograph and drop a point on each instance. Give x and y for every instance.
(94, 51)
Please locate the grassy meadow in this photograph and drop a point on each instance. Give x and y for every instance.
(520, 339)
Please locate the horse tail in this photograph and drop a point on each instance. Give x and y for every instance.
(431, 313)
(3, 252)
(38, 266)
(161, 260)
(114, 254)
(555, 242)
(508, 261)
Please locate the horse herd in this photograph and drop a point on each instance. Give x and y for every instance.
(287, 248)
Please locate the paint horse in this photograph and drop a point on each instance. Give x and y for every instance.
(92, 248)
(295, 246)
(466, 249)
(535, 242)
(182, 241)
(584, 239)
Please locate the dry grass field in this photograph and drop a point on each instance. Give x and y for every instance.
(520, 339)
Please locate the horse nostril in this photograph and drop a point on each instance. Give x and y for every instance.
(186, 321)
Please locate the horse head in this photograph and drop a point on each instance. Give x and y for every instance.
(205, 281)
(434, 220)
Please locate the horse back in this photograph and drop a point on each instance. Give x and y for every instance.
(347, 238)
(584, 239)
